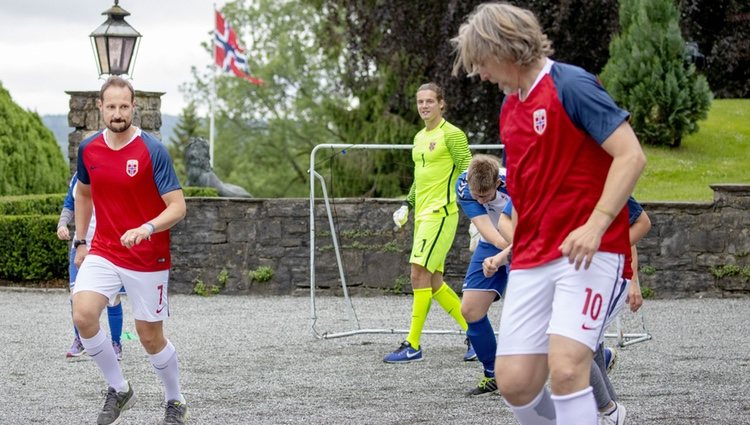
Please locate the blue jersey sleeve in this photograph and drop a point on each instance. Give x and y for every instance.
(508, 210)
(164, 174)
(586, 102)
(634, 210)
(468, 204)
(82, 173)
(69, 201)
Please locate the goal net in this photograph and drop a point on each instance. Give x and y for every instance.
(346, 323)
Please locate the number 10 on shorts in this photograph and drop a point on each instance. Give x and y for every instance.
(592, 307)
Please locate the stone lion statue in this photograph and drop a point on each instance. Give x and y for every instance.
(200, 173)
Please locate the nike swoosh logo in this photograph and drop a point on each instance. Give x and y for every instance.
(410, 355)
(587, 328)
(159, 310)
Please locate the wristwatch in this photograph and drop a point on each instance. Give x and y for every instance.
(79, 242)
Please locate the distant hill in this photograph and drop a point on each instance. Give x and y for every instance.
(58, 124)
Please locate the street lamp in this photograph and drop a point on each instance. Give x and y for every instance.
(115, 43)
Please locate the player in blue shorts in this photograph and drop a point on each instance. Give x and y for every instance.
(114, 312)
(482, 196)
(610, 411)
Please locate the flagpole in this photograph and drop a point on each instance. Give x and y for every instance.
(212, 97)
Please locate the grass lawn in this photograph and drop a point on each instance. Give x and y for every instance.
(718, 153)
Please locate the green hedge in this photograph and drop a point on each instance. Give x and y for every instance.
(29, 245)
(50, 204)
(200, 192)
(30, 248)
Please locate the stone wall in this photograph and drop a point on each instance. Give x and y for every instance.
(85, 118)
(697, 249)
(688, 246)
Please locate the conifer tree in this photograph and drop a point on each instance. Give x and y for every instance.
(648, 74)
(188, 126)
(30, 160)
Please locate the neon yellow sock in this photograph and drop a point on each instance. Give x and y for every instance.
(447, 298)
(419, 310)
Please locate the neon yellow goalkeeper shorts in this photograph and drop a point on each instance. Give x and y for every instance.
(433, 238)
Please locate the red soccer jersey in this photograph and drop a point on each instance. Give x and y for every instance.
(126, 188)
(556, 167)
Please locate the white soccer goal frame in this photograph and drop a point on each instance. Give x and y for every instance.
(623, 339)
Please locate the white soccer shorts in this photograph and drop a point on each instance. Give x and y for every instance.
(147, 291)
(554, 298)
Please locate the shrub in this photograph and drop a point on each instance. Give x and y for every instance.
(261, 274)
(31, 250)
(32, 204)
(647, 74)
(647, 293)
(200, 192)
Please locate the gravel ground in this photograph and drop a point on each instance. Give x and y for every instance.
(254, 360)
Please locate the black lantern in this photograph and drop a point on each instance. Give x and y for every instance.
(115, 43)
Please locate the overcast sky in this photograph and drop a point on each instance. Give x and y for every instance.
(45, 48)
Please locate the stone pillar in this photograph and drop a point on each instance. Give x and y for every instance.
(85, 118)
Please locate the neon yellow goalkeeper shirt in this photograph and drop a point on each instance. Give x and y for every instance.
(439, 155)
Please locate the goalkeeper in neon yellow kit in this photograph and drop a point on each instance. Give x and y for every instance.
(440, 154)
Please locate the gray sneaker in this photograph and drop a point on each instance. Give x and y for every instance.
(76, 350)
(485, 386)
(114, 404)
(176, 413)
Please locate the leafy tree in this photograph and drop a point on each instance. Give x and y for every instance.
(722, 30)
(346, 71)
(647, 73)
(264, 134)
(30, 160)
(188, 126)
(580, 30)
(393, 46)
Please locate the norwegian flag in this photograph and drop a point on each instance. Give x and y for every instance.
(228, 54)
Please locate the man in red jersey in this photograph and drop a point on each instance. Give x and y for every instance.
(127, 175)
(572, 160)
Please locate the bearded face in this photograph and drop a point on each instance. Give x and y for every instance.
(117, 106)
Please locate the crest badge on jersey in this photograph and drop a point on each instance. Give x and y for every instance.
(432, 146)
(131, 167)
(540, 121)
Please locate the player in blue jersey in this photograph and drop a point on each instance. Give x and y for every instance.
(114, 312)
(482, 196)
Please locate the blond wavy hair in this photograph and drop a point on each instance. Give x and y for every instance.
(500, 31)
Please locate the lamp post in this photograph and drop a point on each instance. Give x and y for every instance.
(115, 43)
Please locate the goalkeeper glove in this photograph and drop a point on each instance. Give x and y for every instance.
(401, 216)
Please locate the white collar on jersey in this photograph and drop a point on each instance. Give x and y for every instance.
(544, 71)
(106, 140)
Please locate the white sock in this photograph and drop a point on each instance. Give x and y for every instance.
(578, 408)
(165, 365)
(541, 410)
(100, 349)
